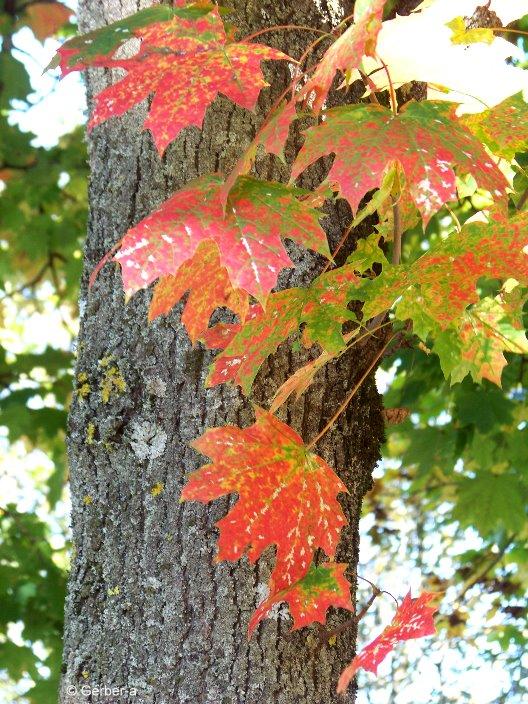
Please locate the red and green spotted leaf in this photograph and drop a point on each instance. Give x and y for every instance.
(185, 63)
(413, 619)
(248, 236)
(503, 128)
(476, 344)
(310, 597)
(347, 52)
(286, 496)
(437, 288)
(45, 18)
(97, 47)
(321, 306)
(425, 141)
(209, 286)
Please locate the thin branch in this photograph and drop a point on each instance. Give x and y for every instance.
(350, 396)
(476, 578)
(326, 635)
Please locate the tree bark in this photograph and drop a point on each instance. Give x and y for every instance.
(148, 610)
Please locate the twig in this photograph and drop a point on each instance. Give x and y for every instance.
(350, 396)
(326, 635)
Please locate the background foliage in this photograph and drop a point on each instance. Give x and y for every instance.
(447, 512)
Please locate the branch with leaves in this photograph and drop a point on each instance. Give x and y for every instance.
(220, 237)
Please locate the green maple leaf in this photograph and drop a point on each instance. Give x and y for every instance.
(321, 307)
(503, 128)
(491, 502)
(476, 344)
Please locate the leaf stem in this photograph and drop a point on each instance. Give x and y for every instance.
(397, 247)
(293, 27)
(325, 634)
(522, 200)
(350, 396)
(381, 591)
(392, 92)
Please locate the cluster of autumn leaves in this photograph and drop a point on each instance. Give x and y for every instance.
(221, 240)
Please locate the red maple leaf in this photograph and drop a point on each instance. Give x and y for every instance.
(210, 288)
(258, 214)
(185, 63)
(287, 495)
(310, 597)
(413, 619)
(424, 140)
(347, 51)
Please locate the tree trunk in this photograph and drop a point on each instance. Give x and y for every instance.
(148, 610)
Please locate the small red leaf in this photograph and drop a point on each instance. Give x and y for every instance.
(272, 136)
(413, 619)
(310, 597)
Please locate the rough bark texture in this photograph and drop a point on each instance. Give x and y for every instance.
(147, 607)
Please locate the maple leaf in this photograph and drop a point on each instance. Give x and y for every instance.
(310, 597)
(346, 53)
(287, 495)
(185, 63)
(322, 306)
(476, 343)
(413, 619)
(210, 288)
(97, 47)
(437, 288)
(503, 128)
(45, 18)
(424, 140)
(258, 214)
